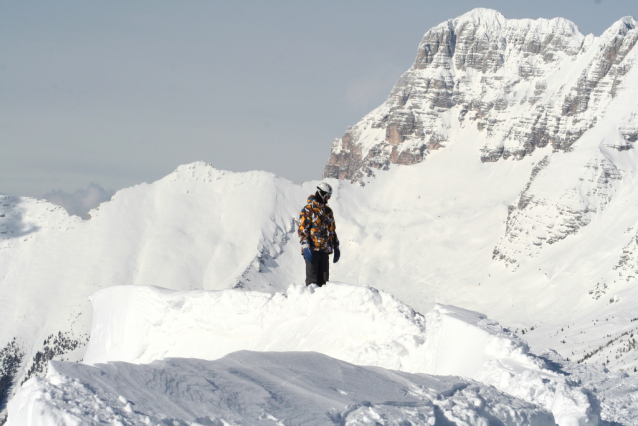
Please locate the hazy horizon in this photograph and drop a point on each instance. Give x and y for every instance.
(108, 94)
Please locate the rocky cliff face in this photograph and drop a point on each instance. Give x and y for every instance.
(523, 84)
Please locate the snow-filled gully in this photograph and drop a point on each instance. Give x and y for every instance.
(340, 354)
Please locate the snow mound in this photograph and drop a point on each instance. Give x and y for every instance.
(355, 324)
(267, 388)
(463, 342)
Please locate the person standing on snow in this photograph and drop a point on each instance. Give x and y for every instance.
(317, 232)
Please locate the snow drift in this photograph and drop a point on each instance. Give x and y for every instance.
(260, 388)
(356, 324)
(157, 355)
(359, 325)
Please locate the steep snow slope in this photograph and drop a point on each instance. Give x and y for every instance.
(184, 231)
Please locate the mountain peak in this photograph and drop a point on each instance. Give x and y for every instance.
(483, 17)
(512, 86)
(621, 26)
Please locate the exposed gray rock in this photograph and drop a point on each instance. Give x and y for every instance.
(523, 84)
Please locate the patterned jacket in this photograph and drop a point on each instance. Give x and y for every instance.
(317, 225)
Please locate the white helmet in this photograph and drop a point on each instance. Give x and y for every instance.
(325, 191)
(325, 188)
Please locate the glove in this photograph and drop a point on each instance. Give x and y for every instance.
(307, 253)
(337, 255)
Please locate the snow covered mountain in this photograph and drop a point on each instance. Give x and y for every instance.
(517, 208)
(523, 84)
(513, 87)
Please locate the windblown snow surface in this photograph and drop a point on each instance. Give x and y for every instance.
(340, 354)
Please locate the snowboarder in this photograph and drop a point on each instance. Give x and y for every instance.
(318, 236)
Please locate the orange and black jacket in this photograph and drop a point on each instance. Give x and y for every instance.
(317, 225)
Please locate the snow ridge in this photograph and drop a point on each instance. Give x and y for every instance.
(267, 388)
(172, 335)
(359, 325)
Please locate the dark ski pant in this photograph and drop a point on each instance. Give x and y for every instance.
(318, 271)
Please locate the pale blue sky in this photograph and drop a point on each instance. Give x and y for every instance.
(120, 92)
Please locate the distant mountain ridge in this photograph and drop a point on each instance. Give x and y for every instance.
(523, 84)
